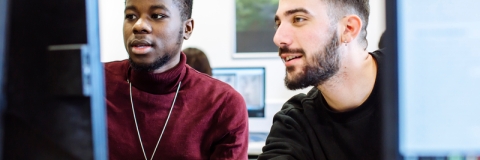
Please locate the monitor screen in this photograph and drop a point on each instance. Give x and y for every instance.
(249, 82)
(438, 78)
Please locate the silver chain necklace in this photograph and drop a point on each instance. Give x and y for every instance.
(164, 126)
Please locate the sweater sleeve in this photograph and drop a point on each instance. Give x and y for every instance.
(234, 117)
(286, 140)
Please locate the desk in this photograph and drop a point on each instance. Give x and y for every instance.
(255, 148)
(256, 142)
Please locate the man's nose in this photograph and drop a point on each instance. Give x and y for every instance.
(142, 26)
(283, 36)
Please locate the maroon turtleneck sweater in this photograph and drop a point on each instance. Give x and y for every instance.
(209, 119)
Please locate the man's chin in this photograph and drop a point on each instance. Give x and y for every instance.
(294, 85)
(294, 81)
(141, 63)
(145, 66)
(294, 73)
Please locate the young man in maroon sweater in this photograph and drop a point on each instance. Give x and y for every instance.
(158, 107)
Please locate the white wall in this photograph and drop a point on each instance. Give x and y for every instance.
(214, 34)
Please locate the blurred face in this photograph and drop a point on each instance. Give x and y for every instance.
(153, 33)
(307, 42)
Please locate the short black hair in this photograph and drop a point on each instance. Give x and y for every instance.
(185, 8)
(340, 8)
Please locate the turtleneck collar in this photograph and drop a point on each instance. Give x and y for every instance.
(159, 83)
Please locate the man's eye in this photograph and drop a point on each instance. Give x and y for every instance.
(277, 24)
(130, 16)
(157, 16)
(298, 19)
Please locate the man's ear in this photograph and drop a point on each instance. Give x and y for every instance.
(189, 24)
(352, 25)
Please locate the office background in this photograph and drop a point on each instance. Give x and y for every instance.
(214, 33)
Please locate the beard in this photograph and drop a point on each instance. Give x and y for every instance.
(148, 67)
(326, 64)
(160, 61)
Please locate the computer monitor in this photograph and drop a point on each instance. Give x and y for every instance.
(3, 44)
(433, 87)
(249, 82)
(53, 79)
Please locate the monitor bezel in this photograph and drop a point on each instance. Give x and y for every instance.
(390, 114)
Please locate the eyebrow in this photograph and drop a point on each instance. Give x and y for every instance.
(296, 10)
(154, 7)
(130, 8)
(292, 11)
(162, 7)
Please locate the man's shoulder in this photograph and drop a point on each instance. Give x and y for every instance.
(199, 76)
(115, 70)
(300, 102)
(208, 83)
(299, 111)
(115, 66)
(209, 89)
(378, 54)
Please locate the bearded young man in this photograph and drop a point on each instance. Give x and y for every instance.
(323, 44)
(160, 108)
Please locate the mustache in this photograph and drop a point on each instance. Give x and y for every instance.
(290, 50)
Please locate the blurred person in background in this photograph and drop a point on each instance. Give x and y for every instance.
(197, 59)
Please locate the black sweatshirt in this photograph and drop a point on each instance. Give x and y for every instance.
(306, 128)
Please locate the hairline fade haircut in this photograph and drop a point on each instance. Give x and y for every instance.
(185, 7)
(337, 9)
